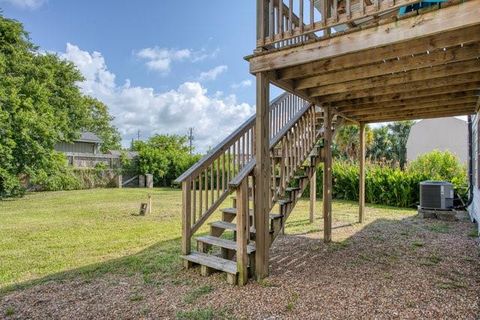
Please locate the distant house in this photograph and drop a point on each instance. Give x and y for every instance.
(438, 134)
(84, 152)
(87, 143)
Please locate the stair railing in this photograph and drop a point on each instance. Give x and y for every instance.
(294, 142)
(206, 184)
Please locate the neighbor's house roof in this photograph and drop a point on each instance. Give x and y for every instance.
(87, 136)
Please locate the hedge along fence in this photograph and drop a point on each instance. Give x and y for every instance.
(390, 185)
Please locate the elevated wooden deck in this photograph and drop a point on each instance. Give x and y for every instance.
(421, 65)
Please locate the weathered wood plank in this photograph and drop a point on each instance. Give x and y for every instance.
(262, 177)
(242, 232)
(327, 177)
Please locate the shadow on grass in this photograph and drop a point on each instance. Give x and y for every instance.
(159, 261)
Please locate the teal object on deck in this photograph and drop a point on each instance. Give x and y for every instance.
(420, 5)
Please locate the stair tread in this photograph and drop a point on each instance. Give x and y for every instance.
(224, 243)
(212, 261)
(224, 225)
(292, 189)
(284, 201)
(234, 211)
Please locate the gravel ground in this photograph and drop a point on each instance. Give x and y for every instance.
(405, 269)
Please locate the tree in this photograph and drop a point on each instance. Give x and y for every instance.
(347, 141)
(40, 105)
(381, 147)
(164, 156)
(400, 130)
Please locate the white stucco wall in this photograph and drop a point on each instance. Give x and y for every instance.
(438, 134)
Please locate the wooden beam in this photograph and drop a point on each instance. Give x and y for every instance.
(413, 94)
(327, 176)
(430, 74)
(452, 18)
(376, 55)
(459, 110)
(242, 232)
(361, 189)
(409, 87)
(407, 104)
(186, 220)
(438, 57)
(313, 194)
(262, 177)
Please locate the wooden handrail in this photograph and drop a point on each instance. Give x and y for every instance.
(222, 146)
(286, 25)
(245, 172)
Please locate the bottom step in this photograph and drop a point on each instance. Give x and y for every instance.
(213, 262)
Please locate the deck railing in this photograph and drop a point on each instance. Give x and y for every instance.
(206, 184)
(283, 23)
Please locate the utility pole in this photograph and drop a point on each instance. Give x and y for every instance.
(138, 135)
(190, 139)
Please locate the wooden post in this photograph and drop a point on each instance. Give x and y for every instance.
(186, 220)
(262, 178)
(361, 194)
(242, 232)
(327, 177)
(149, 204)
(313, 194)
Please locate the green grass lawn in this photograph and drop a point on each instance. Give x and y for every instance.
(55, 235)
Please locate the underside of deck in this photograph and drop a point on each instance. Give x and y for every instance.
(419, 66)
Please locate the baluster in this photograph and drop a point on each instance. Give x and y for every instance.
(206, 189)
(212, 187)
(280, 18)
(271, 20)
(376, 4)
(200, 195)
(301, 16)
(218, 178)
(312, 15)
(290, 17)
(229, 166)
(223, 173)
(194, 200)
(335, 10)
(362, 7)
(348, 8)
(234, 160)
(243, 149)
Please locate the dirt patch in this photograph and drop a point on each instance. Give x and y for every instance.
(408, 268)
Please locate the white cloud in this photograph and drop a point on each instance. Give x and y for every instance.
(26, 4)
(243, 84)
(212, 74)
(140, 108)
(161, 59)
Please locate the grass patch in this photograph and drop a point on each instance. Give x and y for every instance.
(450, 284)
(292, 301)
(336, 246)
(418, 244)
(196, 293)
(9, 311)
(439, 228)
(136, 297)
(473, 233)
(197, 314)
(88, 233)
(431, 260)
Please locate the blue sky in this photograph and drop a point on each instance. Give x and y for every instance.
(161, 66)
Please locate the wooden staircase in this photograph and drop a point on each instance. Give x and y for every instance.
(295, 152)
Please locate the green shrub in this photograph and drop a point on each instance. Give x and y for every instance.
(392, 186)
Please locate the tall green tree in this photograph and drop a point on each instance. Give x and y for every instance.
(347, 141)
(381, 147)
(164, 156)
(40, 105)
(400, 130)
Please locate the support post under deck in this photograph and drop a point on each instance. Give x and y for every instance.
(262, 177)
(361, 189)
(327, 177)
(313, 194)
